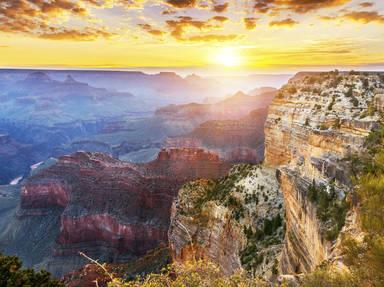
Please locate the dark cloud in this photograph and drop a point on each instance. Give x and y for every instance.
(220, 8)
(182, 3)
(286, 22)
(220, 18)
(250, 23)
(297, 6)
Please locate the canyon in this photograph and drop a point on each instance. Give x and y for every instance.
(106, 208)
(290, 147)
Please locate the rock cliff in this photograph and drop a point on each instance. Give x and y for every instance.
(236, 221)
(315, 122)
(111, 210)
(235, 140)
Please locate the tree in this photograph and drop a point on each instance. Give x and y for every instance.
(12, 275)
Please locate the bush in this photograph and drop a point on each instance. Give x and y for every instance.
(11, 275)
(192, 274)
(330, 210)
(331, 104)
(328, 278)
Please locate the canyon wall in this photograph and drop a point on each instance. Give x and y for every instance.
(315, 122)
(235, 222)
(235, 140)
(111, 210)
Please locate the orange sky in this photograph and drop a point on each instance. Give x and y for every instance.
(261, 35)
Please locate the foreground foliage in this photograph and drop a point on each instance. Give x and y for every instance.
(191, 274)
(11, 275)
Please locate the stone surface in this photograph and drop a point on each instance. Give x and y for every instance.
(218, 220)
(314, 123)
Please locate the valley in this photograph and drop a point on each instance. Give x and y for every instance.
(259, 181)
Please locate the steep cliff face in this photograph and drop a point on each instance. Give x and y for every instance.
(236, 221)
(236, 140)
(314, 123)
(108, 209)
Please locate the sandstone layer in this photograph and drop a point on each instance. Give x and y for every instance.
(314, 123)
(111, 210)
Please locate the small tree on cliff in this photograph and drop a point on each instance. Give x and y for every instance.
(12, 275)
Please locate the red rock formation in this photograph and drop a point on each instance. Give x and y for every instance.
(235, 141)
(111, 208)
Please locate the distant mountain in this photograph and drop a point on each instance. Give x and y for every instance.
(41, 99)
(233, 107)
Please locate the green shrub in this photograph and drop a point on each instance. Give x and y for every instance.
(331, 104)
(328, 278)
(330, 210)
(191, 274)
(12, 275)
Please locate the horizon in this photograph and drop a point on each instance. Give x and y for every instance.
(185, 72)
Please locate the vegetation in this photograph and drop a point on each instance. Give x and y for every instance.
(325, 277)
(194, 273)
(222, 191)
(354, 101)
(337, 123)
(349, 93)
(331, 104)
(250, 256)
(363, 256)
(12, 275)
(291, 90)
(330, 209)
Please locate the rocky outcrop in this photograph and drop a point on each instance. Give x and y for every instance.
(236, 141)
(111, 210)
(236, 221)
(314, 123)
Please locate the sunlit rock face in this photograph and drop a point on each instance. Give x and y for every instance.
(316, 121)
(219, 220)
(112, 210)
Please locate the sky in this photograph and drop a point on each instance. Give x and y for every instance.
(239, 35)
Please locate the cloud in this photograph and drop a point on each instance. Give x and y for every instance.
(250, 23)
(179, 25)
(38, 17)
(220, 18)
(297, 6)
(182, 3)
(220, 8)
(87, 34)
(289, 22)
(364, 17)
(366, 4)
(151, 30)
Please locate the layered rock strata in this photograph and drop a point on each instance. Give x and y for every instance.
(314, 123)
(229, 221)
(108, 209)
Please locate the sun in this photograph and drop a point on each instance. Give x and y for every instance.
(228, 57)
